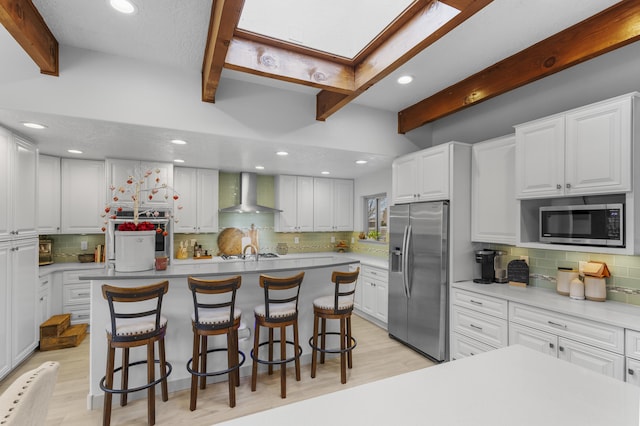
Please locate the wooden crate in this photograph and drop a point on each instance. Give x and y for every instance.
(55, 325)
(69, 338)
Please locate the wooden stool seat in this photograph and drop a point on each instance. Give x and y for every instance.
(279, 311)
(129, 329)
(337, 306)
(214, 313)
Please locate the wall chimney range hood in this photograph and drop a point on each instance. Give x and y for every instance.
(248, 197)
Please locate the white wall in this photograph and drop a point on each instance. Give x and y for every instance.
(371, 184)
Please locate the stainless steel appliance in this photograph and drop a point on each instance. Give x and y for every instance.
(590, 224)
(485, 258)
(418, 274)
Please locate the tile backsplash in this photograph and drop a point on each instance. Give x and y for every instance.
(622, 286)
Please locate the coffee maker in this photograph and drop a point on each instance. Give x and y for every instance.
(485, 258)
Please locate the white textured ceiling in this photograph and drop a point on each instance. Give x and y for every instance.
(173, 33)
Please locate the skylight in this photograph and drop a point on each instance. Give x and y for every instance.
(337, 27)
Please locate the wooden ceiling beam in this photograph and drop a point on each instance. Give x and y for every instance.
(225, 15)
(26, 25)
(291, 66)
(409, 40)
(608, 30)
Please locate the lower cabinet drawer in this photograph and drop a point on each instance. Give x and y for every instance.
(632, 343)
(485, 328)
(76, 293)
(79, 313)
(463, 346)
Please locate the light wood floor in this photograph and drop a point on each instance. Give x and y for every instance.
(377, 356)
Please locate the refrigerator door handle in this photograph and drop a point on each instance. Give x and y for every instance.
(405, 274)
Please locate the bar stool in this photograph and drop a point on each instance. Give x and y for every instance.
(217, 316)
(129, 329)
(336, 306)
(280, 310)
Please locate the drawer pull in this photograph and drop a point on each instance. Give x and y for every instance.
(631, 372)
(557, 324)
(551, 345)
(45, 282)
(84, 294)
(475, 302)
(561, 348)
(83, 316)
(475, 326)
(471, 354)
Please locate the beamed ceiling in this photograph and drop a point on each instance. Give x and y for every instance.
(341, 80)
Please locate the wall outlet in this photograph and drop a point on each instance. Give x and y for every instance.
(525, 258)
(333, 239)
(296, 240)
(83, 245)
(353, 240)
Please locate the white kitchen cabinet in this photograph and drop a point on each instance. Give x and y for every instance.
(375, 292)
(76, 296)
(357, 297)
(463, 346)
(580, 152)
(540, 341)
(18, 187)
(198, 191)
(82, 196)
(633, 371)
(294, 196)
(422, 176)
(332, 205)
(118, 172)
(48, 195)
(5, 308)
(594, 359)
(493, 201)
(44, 299)
(632, 360)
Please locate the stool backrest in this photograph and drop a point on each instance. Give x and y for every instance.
(281, 290)
(137, 295)
(345, 286)
(212, 294)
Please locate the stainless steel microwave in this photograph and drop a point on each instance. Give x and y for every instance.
(591, 224)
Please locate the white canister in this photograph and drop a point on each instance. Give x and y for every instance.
(563, 280)
(576, 289)
(595, 289)
(135, 250)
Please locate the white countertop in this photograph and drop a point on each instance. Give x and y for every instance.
(509, 386)
(609, 312)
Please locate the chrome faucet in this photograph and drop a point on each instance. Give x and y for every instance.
(252, 246)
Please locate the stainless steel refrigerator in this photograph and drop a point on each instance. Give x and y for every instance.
(418, 258)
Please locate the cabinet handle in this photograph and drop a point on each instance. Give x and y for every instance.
(631, 372)
(557, 324)
(471, 354)
(475, 302)
(551, 345)
(561, 348)
(42, 298)
(568, 186)
(84, 294)
(44, 282)
(558, 186)
(83, 316)
(475, 326)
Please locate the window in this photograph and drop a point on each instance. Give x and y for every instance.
(376, 211)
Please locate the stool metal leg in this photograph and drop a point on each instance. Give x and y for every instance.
(270, 350)
(296, 345)
(343, 360)
(125, 376)
(203, 360)
(314, 352)
(232, 377)
(323, 339)
(151, 397)
(106, 409)
(349, 355)
(283, 366)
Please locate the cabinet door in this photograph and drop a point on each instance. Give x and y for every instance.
(463, 346)
(304, 203)
(343, 205)
(493, 198)
(25, 189)
(598, 149)
(207, 197)
(404, 179)
(48, 194)
(118, 171)
(433, 173)
(540, 341)
(323, 205)
(287, 201)
(6, 206)
(382, 301)
(594, 359)
(24, 284)
(357, 298)
(369, 296)
(5, 309)
(82, 196)
(186, 184)
(540, 158)
(633, 372)
(44, 299)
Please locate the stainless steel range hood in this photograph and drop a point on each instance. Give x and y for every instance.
(248, 197)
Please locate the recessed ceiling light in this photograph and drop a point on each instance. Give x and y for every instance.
(177, 160)
(282, 153)
(260, 167)
(405, 79)
(74, 151)
(361, 161)
(178, 141)
(123, 6)
(325, 172)
(34, 125)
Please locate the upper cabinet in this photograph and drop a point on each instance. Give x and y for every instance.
(82, 196)
(584, 151)
(294, 196)
(332, 205)
(493, 202)
(49, 194)
(198, 198)
(18, 187)
(422, 176)
(119, 172)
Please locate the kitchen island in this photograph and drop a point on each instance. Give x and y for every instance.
(177, 306)
(509, 386)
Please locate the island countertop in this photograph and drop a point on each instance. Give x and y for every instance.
(229, 267)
